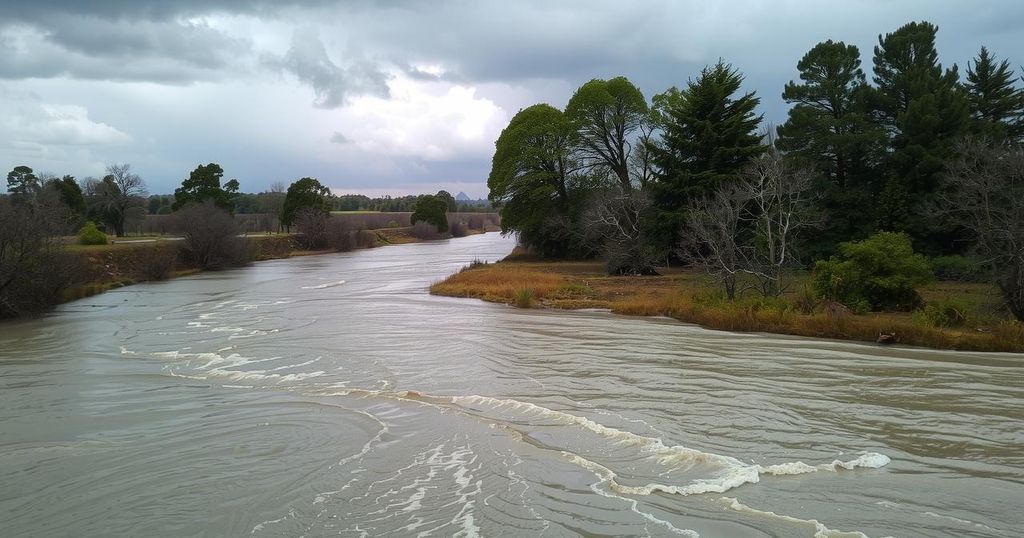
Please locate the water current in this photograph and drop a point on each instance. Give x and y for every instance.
(331, 395)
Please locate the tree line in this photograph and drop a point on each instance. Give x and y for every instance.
(121, 197)
(695, 176)
(38, 210)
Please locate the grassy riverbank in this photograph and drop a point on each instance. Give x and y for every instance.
(131, 261)
(688, 296)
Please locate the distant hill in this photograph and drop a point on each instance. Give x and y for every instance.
(462, 197)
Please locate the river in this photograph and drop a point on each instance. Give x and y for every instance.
(331, 395)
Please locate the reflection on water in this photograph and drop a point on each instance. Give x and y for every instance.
(331, 395)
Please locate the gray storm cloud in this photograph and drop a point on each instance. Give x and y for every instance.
(265, 87)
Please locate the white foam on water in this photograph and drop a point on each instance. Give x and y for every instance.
(820, 530)
(964, 522)
(606, 475)
(324, 286)
(867, 460)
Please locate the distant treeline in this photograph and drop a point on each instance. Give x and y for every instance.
(250, 203)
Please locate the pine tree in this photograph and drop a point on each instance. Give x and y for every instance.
(926, 111)
(709, 134)
(997, 104)
(830, 128)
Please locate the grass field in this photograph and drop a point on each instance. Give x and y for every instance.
(690, 297)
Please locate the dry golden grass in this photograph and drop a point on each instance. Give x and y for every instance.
(685, 296)
(505, 284)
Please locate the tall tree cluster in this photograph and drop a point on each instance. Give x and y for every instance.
(646, 181)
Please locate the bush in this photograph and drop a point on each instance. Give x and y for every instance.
(424, 231)
(211, 237)
(881, 272)
(525, 298)
(458, 229)
(432, 210)
(311, 223)
(91, 235)
(365, 239)
(959, 268)
(156, 263)
(945, 313)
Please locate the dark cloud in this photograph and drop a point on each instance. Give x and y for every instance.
(308, 61)
(512, 54)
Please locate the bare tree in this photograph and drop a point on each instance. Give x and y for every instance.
(272, 201)
(120, 195)
(780, 202)
(211, 236)
(312, 225)
(713, 241)
(34, 267)
(615, 222)
(986, 197)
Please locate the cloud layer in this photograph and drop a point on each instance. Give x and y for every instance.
(371, 95)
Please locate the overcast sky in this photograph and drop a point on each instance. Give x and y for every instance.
(389, 97)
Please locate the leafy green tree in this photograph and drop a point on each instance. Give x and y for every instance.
(432, 210)
(203, 183)
(830, 127)
(22, 183)
(304, 193)
(709, 133)
(70, 193)
(606, 114)
(449, 200)
(997, 104)
(926, 111)
(533, 174)
(880, 272)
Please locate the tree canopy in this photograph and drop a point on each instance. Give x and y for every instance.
(304, 193)
(203, 183)
(432, 210)
(709, 133)
(606, 113)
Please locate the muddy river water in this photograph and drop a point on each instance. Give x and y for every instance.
(331, 395)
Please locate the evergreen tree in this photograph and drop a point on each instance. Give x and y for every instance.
(71, 194)
(22, 183)
(925, 111)
(304, 193)
(997, 104)
(708, 134)
(830, 128)
(203, 183)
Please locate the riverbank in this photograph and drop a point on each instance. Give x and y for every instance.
(688, 296)
(127, 262)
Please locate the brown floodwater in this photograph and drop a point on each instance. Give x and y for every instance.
(331, 395)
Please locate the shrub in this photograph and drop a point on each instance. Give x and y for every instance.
(91, 235)
(959, 268)
(312, 224)
(431, 209)
(211, 237)
(424, 231)
(156, 263)
(458, 229)
(881, 272)
(365, 239)
(392, 224)
(945, 313)
(525, 298)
